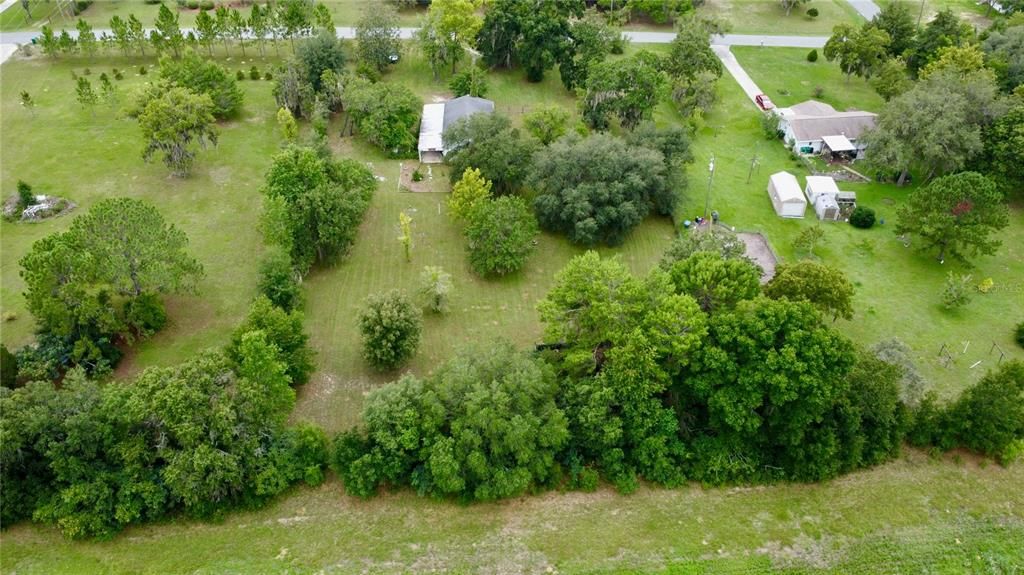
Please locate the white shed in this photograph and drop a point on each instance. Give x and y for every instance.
(787, 198)
(827, 208)
(818, 186)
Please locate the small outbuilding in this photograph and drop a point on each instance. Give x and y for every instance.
(827, 208)
(438, 117)
(818, 186)
(786, 195)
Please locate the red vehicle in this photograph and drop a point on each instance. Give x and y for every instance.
(764, 102)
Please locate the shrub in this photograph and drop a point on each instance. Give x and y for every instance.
(142, 70)
(118, 75)
(989, 416)
(268, 76)
(87, 72)
(819, 92)
(1019, 335)
(417, 176)
(368, 71)
(254, 73)
(240, 75)
(206, 4)
(471, 81)
(278, 280)
(770, 126)
(500, 235)
(957, 291)
(435, 288)
(862, 217)
(192, 4)
(25, 196)
(812, 56)
(390, 325)
(812, 12)
(204, 76)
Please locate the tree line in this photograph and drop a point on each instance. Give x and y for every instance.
(282, 20)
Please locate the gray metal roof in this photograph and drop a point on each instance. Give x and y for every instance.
(463, 106)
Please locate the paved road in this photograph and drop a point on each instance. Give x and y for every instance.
(866, 8)
(7, 4)
(26, 36)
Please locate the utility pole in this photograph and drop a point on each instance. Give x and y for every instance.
(711, 176)
(753, 162)
(920, 14)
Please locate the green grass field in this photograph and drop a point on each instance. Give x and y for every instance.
(768, 16)
(788, 78)
(912, 515)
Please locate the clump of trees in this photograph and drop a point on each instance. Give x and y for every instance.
(94, 459)
(386, 114)
(596, 189)
(484, 426)
(100, 284)
(314, 205)
(202, 76)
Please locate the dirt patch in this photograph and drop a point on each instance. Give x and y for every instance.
(427, 176)
(762, 254)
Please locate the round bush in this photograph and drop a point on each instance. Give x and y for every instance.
(1019, 336)
(390, 324)
(812, 13)
(206, 5)
(254, 73)
(240, 75)
(862, 217)
(142, 70)
(268, 76)
(193, 4)
(812, 56)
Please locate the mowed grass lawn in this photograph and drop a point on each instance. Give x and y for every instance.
(910, 515)
(769, 17)
(788, 78)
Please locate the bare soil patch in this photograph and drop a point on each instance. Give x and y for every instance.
(759, 251)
